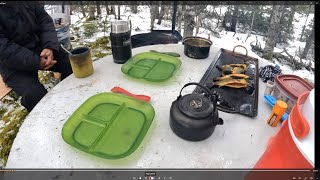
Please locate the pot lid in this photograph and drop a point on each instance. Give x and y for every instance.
(109, 125)
(195, 106)
(293, 85)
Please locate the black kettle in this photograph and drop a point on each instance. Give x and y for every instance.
(194, 117)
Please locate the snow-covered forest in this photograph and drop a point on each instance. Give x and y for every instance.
(281, 34)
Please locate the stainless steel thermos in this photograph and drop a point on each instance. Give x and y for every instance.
(121, 41)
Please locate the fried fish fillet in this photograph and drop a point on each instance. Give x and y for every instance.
(236, 83)
(232, 69)
(234, 76)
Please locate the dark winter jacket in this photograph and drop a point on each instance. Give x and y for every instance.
(25, 30)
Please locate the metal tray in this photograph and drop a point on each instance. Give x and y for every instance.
(234, 100)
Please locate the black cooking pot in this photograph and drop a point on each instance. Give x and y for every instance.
(196, 47)
(194, 117)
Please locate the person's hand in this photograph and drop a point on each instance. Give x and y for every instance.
(43, 62)
(46, 59)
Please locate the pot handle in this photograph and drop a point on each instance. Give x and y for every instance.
(242, 47)
(197, 84)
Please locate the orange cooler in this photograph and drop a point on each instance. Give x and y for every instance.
(293, 145)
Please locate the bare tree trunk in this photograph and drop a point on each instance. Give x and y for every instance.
(234, 18)
(71, 8)
(281, 34)
(189, 23)
(119, 12)
(253, 14)
(63, 6)
(291, 15)
(107, 7)
(154, 11)
(91, 13)
(273, 31)
(224, 21)
(82, 9)
(161, 14)
(157, 14)
(167, 13)
(134, 9)
(304, 27)
(113, 10)
(218, 19)
(180, 12)
(198, 24)
(98, 8)
(309, 41)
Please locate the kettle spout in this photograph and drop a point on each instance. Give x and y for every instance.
(218, 121)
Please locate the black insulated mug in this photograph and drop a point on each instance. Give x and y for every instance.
(121, 41)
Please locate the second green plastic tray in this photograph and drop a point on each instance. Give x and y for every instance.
(109, 125)
(151, 66)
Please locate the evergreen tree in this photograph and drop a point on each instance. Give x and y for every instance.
(286, 25)
(309, 42)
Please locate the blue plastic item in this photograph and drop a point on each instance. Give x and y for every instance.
(272, 101)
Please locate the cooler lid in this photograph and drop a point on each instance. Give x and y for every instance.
(293, 85)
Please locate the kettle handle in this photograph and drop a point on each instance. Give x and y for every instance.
(197, 84)
(212, 98)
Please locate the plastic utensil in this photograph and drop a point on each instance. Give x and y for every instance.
(278, 110)
(289, 87)
(167, 53)
(272, 101)
(109, 125)
(123, 91)
(150, 66)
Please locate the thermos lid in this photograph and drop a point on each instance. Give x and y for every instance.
(119, 27)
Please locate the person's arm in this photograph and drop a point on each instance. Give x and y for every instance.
(17, 57)
(48, 36)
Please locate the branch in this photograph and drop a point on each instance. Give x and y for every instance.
(285, 50)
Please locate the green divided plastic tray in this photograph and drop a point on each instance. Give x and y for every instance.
(109, 125)
(151, 66)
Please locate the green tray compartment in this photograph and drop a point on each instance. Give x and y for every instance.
(154, 67)
(109, 125)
